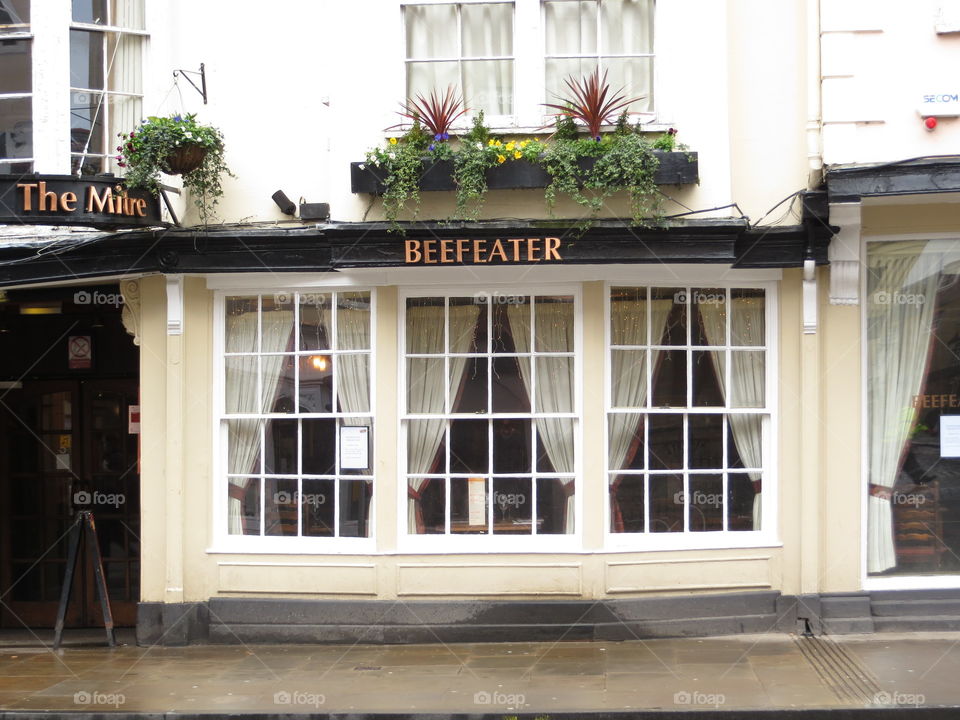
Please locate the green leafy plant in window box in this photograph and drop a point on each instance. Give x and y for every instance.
(176, 145)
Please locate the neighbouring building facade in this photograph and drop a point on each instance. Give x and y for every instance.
(338, 428)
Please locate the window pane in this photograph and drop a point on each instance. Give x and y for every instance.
(666, 441)
(128, 13)
(628, 316)
(468, 505)
(553, 322)
(86, 123)
(708, 377)
(625, 443)
(487, 30)
(240, 323)
(365, 423)
(278, 383)
(426, 446)
(86, 59)
(666, 503)
(17, 140)
(281, 455)
(317, 503)
(425, 332)
(424, 78)
(17, 69)
(426, 500)
(353, 321)
(511, 323)
(125, 112)
(555, 445)
(555, 506)
(709, 316)
(488, 86)
(705, 502)
(425, 393)
(512, 506)
(747, 321)
(241, 384)
(90, 11)
(554, 384)
(670, 378)
(742, 502)
(747, 378)
(632, 78)
(628, 378)
(319, 446)
(281, 506)
(125, 64)
(626, 26)
(706, 441)
(14, 12)
(353, 383)
(243, 506)
(571, 28)
(243, 446)
(315, 319)
(431, 31)
(511, 446)
(670, 315)
(355, 496)
(745, 441)
(316, 382)
(468, 384)
(509, 389)
(558, 71)
(468, 326)
(468, 446)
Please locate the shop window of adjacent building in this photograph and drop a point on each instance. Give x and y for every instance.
(466, 45)
(612, 36)
(491, 416)
(106, 86)
(912, 315)
(16, 87)
(297, 421)
(688, 405)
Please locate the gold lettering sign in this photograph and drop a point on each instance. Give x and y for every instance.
(936, 401)
(481, 251)
(104, 201)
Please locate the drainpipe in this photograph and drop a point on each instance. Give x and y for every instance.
(814, 131)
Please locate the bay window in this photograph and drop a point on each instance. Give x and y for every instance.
(490, 417)
(297, 417)
(688, 409)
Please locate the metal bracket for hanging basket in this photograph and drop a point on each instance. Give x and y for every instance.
(202, 89)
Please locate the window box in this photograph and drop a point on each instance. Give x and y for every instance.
(676, 168)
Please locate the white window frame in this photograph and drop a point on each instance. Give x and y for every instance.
(223, 541)
(715, 539)
(488, 544)
(529, 67)
(905, 581)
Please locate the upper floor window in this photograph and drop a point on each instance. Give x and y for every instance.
(16, 87)
(506, 57)
(106, 87)
(467, 45)
(615, 36)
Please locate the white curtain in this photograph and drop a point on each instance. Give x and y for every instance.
(747, 378)
(425, 389)
(353, 373)
(553, 328)
(628, 376)
(898, 343)
(241, 395)
(486, 30)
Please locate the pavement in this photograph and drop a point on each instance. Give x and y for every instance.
(849, 676)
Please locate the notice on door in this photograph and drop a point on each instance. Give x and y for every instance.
(354, 448)
(79, 352)
(950, 436)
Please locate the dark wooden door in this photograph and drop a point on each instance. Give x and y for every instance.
(67, 447)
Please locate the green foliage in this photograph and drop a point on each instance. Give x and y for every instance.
(144, 153)
(478, 153)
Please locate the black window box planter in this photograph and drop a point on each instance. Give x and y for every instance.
(676, 168)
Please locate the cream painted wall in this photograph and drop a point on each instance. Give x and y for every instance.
(879, 57)
(303, 90)
(590, 573)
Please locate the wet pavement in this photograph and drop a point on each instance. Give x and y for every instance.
(694, 674)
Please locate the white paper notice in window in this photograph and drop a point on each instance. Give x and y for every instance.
(354, 448)
(950, 436)
(476, 501)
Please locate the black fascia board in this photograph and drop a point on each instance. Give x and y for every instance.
(917, 176)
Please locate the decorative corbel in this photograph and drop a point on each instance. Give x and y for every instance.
(844, 254)
(174, 304)
(130, 315)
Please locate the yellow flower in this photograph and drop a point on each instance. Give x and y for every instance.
(490, 143)
(501, 158)
(497, 143)
(510, 145)
(523, 143)
(393, 141)
(517, 155)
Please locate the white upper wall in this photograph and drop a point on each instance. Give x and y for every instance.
(879, 58)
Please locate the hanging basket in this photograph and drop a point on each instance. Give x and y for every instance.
(185, 159)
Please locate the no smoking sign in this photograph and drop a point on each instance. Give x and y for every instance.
(79, 352)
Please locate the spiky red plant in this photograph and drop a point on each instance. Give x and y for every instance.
(589, 101)
(437, 113)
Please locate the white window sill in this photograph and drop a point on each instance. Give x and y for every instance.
(505, 127)
(292, 546)
(700, 541)
(912, 582)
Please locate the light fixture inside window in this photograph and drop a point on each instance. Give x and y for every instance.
(318, 362)
(40, 308)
